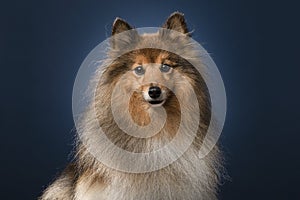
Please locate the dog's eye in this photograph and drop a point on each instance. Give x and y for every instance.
(165, 68)
(139, 70)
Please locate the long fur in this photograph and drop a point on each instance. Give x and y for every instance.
(189, 177)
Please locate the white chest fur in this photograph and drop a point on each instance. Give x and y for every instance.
(191, 182)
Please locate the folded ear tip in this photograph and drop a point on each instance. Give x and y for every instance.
(177, 14)
(176, 21)
(120, 25)
(118, 20)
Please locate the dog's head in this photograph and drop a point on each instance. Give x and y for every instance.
(146, 81)
(151, 74)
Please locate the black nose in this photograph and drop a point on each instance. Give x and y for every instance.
(154, 92)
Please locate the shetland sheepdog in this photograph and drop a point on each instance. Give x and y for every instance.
(155, 78)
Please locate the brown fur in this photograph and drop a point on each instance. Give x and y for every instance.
(187, 178)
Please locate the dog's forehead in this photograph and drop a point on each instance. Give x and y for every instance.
(148, 56)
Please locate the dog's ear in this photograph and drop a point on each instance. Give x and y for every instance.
(176, 22)
(123, 35)
(119, 26)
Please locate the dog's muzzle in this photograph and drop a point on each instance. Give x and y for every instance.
(155, 96)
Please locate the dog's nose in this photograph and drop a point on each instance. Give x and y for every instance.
(154, 92)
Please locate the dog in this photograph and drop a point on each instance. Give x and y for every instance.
(152, 79)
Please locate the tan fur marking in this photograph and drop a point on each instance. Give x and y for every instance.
(138, 109)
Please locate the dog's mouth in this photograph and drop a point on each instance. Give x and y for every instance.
(156, 102)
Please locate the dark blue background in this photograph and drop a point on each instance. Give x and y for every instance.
(254, 45)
